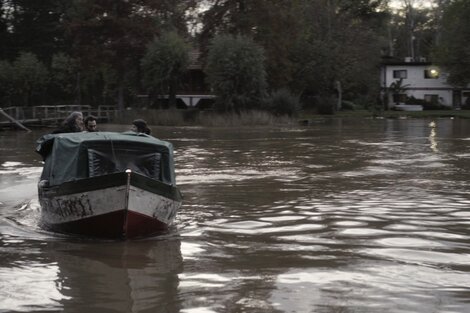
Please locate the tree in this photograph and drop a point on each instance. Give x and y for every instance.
(164, 63)
(235, 71)
(226, 16)
(34, 26)
(308, 45)
(367, 10)
(6, 83)
(453, 53)
(334, 49)
(112, 36)
(272, 24)
(397, 88)
(30, 78)
(412, 29)
(64, 71)
(106, 35)
(4, 33)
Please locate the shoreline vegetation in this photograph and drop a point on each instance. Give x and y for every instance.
(204, 118)
(263, 118)
(258, 118)
(237, 55)
(464, 114)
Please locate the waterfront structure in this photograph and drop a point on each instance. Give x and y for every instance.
(417, 80)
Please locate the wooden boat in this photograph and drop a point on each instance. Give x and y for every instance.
(104, 184)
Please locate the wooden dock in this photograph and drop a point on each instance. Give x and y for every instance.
(52, 115)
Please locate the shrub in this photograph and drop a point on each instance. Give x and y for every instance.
(282, 102)
(347, 105)
(413, 100)
(427, 105)
(30, 78)
(153, 117)
(6, 83)
(236, 72)
(466, 104)
(326, 105)
(434, 106)
(164, 63)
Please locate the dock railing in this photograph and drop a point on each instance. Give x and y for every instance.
(53, 114)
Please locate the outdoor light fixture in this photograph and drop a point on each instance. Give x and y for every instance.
(432, 73)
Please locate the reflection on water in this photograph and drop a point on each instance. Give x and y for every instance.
(432, 137)
(129, 276)
(35, 287)
(85, 276)
(341, 216)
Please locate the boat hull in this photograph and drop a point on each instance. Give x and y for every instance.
(121, 205)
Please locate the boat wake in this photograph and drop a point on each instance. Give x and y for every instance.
(21, 222)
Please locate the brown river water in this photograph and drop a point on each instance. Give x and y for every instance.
(338, 216)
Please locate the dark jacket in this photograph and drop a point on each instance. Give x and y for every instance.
(66, 129)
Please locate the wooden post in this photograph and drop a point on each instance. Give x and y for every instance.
(340, 94)
(14, 121)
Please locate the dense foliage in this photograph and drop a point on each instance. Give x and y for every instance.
(164, 63)
(453, 52)
(236, 73)
(109, 52)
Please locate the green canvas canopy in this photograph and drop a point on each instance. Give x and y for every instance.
(73, 156)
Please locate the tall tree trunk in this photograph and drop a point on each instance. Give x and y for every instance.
(340, 94)
(441, 4)
(78, 88)
(410, 27)
(391, 51)
(121, 96)
(172, 94)
(329, 12)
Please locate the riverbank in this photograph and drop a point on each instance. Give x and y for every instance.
(203, 118)
(263, 118)
(305, 117)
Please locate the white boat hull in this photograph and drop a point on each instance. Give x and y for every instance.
(118, 205)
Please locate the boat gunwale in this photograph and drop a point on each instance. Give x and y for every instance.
(113, 180)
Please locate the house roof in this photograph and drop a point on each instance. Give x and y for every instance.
(405, 62)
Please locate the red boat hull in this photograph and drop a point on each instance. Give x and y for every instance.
(122, 206)
(118, 225)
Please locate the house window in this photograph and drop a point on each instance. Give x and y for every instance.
(431, 74)
(400, 74)
(434, 99)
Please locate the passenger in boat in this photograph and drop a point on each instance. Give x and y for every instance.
(72, 124)
(140, 126)
(90, 124)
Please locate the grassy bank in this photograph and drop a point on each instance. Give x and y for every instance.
(262, 118)
(465, 114)
(203, 118)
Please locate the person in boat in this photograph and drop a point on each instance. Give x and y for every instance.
(72, 124)
(90, 124)
(140, 126)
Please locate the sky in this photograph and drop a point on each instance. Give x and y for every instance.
(416, 3)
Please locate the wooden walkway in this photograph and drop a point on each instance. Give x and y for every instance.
(45, 115)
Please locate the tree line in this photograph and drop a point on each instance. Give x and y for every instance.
(272, 54)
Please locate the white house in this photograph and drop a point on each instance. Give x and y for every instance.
(421, 80)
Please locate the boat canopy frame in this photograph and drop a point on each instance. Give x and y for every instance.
(74, 156)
